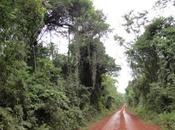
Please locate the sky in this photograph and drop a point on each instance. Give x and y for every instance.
(114, 10)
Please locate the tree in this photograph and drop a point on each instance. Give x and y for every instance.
(152, 62)
(40, 88)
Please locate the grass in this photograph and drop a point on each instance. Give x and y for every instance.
(165, 120)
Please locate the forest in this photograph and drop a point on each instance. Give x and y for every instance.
(151, 92)
(41, 89)
(152, 60)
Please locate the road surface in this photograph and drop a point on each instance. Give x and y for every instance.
(122, 120)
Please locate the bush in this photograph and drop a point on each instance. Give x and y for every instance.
(167, 120)
(8, 121)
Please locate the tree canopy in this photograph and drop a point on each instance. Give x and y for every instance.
(152, 61)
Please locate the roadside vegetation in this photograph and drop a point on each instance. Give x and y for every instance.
(151, 93)
(41, 89)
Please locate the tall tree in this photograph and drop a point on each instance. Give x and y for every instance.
(152, 61)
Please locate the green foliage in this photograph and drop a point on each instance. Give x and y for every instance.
(164, 120)
(110, 95)
(41, 89)
(152, 61)
(167, 120)
(7, 121)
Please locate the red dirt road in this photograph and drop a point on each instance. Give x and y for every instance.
(122, 120)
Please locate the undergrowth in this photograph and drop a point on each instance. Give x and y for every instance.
(165, 120)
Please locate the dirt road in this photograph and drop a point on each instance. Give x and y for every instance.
(122, 120)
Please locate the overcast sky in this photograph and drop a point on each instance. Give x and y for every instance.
(114, 10)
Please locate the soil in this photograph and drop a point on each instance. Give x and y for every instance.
(122, 120)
